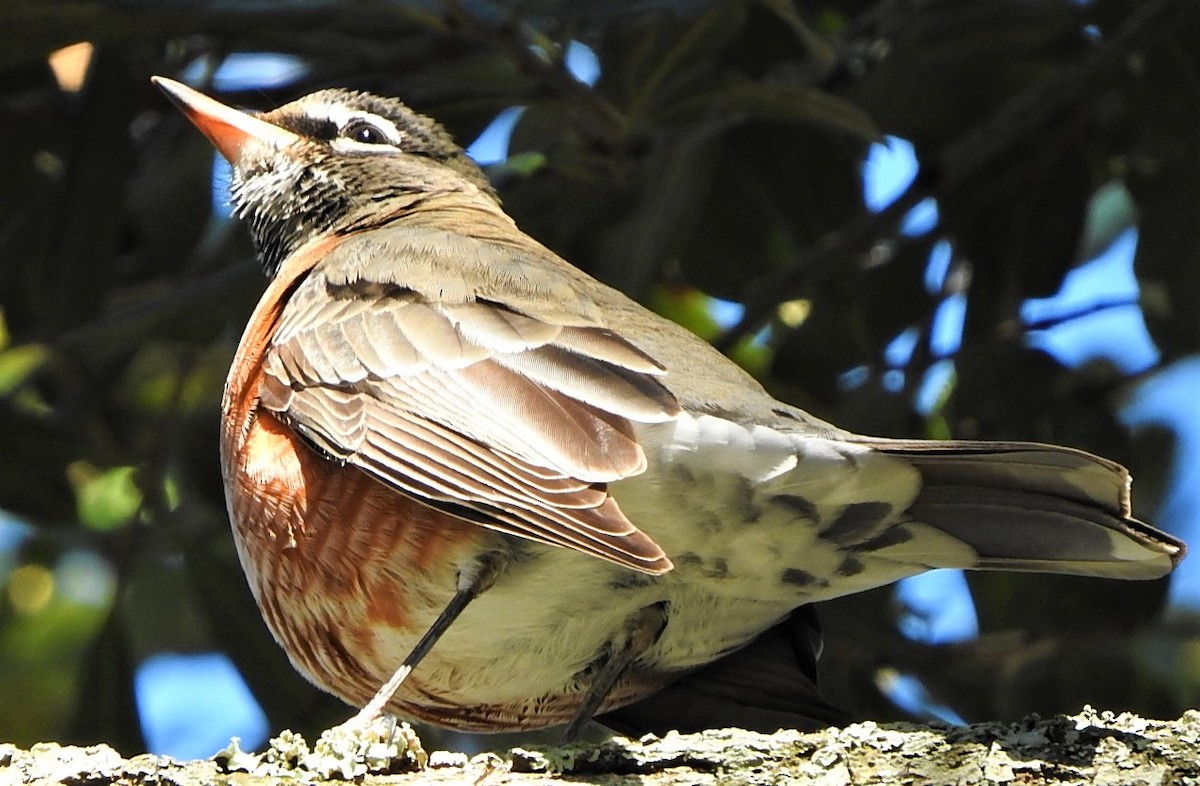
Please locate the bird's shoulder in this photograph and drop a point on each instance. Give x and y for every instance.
(495, 264)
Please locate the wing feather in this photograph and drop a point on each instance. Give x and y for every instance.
(613, 389)
(499, 329)
(387, 339)
(506, 415)
(603, 344)
(562, 431)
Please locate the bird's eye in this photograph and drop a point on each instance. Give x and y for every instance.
(366, 132)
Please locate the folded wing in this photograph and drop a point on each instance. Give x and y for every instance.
(510, 415)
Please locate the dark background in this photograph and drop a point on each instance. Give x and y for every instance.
(719, 154)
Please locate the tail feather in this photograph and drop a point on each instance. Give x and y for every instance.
(1043, 508)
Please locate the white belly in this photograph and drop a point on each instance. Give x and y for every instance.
(756, 524)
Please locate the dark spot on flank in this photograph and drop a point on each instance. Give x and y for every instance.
(631, 579)
(892, 536)
(851, 566)
(719, 569)
(750, 511)
(857, 522)
(713, 568)
(801, 578)
(801, 506)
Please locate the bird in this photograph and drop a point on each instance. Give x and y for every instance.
(471, 485)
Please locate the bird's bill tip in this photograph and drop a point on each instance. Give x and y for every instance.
(229, 129)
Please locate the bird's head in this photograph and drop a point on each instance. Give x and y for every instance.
(327, 162)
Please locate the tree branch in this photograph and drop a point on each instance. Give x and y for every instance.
(1088, 748)
(957, 164)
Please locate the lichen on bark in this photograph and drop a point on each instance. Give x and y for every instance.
(1090, 747)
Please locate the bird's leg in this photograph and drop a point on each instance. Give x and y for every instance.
(642, 631)
(473, 579)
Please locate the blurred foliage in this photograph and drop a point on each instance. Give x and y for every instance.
(718, 156)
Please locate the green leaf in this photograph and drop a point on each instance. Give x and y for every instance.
(524, 164)
(18, 364)
(693, 309)
(106, 499)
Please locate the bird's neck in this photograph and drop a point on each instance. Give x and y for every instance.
(467, 212)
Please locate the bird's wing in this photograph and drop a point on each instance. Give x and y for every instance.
(466, 375)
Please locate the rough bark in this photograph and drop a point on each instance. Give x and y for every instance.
(1089, 748)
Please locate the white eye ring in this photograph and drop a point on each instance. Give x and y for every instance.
(364, 132)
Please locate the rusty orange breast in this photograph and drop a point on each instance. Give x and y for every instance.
(331, 555)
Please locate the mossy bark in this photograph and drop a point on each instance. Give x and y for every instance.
(1088, 748)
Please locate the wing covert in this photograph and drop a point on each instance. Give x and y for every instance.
(514, 420)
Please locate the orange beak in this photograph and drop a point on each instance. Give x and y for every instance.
(228, 129)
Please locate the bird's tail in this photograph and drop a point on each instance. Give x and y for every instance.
(1031, 507)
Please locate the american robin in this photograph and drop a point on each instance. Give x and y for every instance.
(447, 450)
